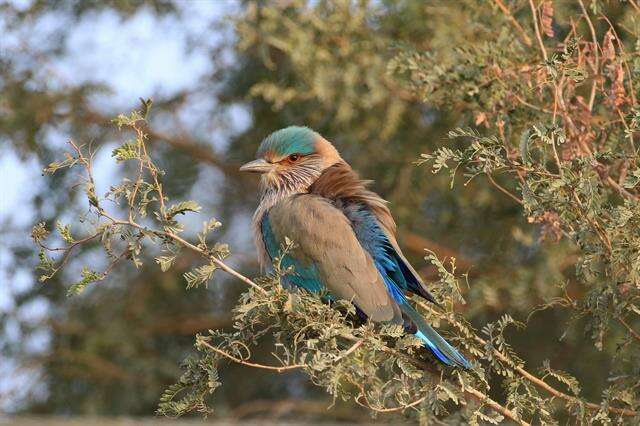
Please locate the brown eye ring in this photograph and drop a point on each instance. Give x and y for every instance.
(294, 157)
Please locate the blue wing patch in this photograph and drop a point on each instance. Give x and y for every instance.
(370, 235)
(304, 276)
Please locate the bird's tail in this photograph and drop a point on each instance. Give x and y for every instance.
(433, 341)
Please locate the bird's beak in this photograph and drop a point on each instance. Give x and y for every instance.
(257, 166)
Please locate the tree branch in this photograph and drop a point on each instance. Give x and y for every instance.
(279, 369)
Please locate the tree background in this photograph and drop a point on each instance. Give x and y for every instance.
(385, 81)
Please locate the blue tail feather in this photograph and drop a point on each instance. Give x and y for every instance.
(460, 362)
(441, 357)
(442, 350)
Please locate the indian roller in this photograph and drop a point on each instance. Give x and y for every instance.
(344, 235)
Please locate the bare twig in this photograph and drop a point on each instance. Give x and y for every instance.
(191, 146)
(513, 21)
(592, 96)
(504, 190)
(276, 368)
(629, 329)
(534, 13)
(186, 244)
(67, 251)
(484, 399)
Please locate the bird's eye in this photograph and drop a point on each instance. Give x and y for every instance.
(294, 157)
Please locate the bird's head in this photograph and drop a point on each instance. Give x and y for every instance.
(291, 159)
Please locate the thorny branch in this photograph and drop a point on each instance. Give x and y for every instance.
(145, 162)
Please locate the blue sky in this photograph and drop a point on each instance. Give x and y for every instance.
(145, 56)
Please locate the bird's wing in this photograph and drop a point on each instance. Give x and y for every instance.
(377, 243)
(398, 275)
(305, 275)
(372, 222)
(375, 230)
(410, 281)
(328, 252)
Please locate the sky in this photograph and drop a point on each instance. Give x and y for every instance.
(145, 56)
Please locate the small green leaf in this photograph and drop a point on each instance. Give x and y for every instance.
(65, 232)
(126, 151)
(39, 232)
(165, 262)
(91, 194)
(200, 275)
(88, 277)
(182, 208)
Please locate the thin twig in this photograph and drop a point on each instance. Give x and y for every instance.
(632, 92)
(620, 189)
(188, 245)
(495, 406)
(67, 252)
(136, 187)
(279, 369)
(471, 391)
(628, 327)
(592, 97)
(351, 350)
(215, 260)
(537, 28)
(368, 405)
(513, 21)
(556, 156)
(628, 129)
(530, 105)
(504, 190)
(154, 175)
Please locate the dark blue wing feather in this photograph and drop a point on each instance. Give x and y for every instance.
(376, 242)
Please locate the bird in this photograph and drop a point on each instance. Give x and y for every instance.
(343, 234)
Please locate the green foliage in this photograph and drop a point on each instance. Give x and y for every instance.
(380, 368)
(544, 139)
(140, 194)
(182, 208)
(165, 262)
(126, 151)
(200, 275)
(88, 277)
(571, 382)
